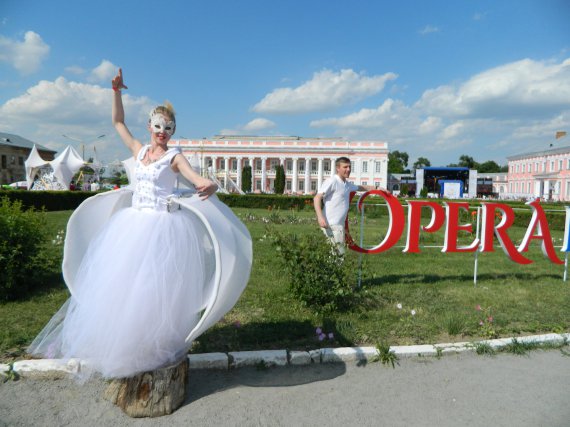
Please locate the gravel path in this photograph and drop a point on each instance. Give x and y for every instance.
(458, 390)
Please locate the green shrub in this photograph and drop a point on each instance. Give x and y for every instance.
(21, 249)
(318, 276)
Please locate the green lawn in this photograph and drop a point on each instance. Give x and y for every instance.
(521, 299)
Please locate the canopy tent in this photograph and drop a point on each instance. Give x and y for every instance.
(64, 166)
(33, 164)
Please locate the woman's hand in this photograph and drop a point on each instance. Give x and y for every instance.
(205, 188)
(117, 82)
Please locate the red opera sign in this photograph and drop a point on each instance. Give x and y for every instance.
(450, 216)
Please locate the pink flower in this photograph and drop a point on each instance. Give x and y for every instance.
(490, 319)
(480, 323)
(478, 307)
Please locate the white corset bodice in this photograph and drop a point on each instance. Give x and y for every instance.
(155, 181)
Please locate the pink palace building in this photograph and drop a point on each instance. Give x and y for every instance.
(544, 174)
(307, 161)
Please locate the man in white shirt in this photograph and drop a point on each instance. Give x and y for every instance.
(335, 192)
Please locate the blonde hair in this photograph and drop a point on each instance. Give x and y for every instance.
(167, 110)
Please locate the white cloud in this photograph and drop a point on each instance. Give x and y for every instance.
(325, 91)
(429, 29)
(254, 126)
(103, 73)
(523, 87)
(517, 106)
(25, 56)
(479, 16)
(258, 124)
(53, 108)
(75, 69)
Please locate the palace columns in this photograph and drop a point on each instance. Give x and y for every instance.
(320, 173)
(294, 177)
(252, 166)
(263, 174)
(238, 179)
(307, 175)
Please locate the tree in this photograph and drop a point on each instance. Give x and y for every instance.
(246, 179)
(397, 162)
(279, 184)
(422, 162)
(467, 162)
(489, 166)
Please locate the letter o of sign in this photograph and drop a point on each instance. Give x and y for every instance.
(396, 224)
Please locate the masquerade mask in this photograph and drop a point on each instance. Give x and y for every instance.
(159, 124)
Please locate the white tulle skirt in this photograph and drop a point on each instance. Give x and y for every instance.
(137, 294)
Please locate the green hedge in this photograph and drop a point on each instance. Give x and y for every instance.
(69, 200)
(48, 200)
(267, 201)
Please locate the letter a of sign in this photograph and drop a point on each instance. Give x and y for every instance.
(539, 222)
(489, 211)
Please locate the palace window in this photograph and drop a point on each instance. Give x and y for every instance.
(365, 166)
(377, 167)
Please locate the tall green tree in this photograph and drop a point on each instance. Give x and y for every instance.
(467, 162)
(489, 166)
(246, 179)
(279, 184)
(398, 162)
(422, 162)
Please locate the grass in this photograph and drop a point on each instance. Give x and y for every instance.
(522, 299)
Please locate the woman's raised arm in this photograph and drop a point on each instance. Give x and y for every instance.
(118, 115)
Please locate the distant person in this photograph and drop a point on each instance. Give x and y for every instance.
(335, 193)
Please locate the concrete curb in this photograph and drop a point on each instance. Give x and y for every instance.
(55, 368)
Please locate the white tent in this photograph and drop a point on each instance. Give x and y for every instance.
(33, 164)
(66, 165)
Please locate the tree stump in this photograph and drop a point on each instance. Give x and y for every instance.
(150, 394)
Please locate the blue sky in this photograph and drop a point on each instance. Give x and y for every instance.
(436, 79)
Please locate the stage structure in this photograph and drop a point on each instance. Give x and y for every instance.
(448, 182)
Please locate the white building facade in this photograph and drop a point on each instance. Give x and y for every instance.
(544, 174)
(307, 161)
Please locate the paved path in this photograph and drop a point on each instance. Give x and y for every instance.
(458, 390)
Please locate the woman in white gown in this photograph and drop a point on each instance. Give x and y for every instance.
(141, 285)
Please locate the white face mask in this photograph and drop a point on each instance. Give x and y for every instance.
(159, 124)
